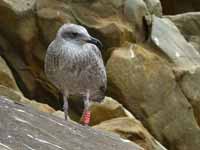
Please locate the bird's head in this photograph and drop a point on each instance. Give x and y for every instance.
(78, 34)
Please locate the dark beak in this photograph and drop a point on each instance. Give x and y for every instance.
(95, 42)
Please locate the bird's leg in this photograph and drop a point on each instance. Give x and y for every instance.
(65, 107)
(86, 112)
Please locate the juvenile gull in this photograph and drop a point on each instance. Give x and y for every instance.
(74, 64)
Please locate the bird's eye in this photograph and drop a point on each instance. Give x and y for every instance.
(74, 34)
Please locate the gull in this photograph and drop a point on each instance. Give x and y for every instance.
(74, 64)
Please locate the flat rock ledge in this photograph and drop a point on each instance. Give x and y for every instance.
(23, 128)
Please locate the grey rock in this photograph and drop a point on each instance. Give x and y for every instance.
(169, 40)
(23, 128)
(189, 25)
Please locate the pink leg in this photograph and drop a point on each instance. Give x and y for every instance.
(86, 113)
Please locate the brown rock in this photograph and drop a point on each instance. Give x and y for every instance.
(180, 6)
(11, 94)
(189, 83)
(31, 83)
(40, 107)
(52, 14)
(17, 97)
(113, 22)
(6, 77)
(131, 129)
(106, 110)
(29, 33)
(145, 84)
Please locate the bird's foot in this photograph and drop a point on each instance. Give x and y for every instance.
(86, 118)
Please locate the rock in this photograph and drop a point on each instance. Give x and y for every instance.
(40, 107)
(43, 131)
(131, 129)
(27, 35)
(11, 94)
(32, 85)
(21, 46)
(20, 28)
(169, 40)
(190, 86)
(6, 77)
(180, 6)
(52, 13)
(17, 97)
(189, 25)
(135, 10)
(106, 110)
(145, 84)
(59, 114)
(126, 23)
(154, 7)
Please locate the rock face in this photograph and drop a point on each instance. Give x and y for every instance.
(24, 128)
(189, 25)
(106, 110)
(17, 97)
(22, 48)
(159, 84)
(6, 77)
(154, 7)
(190, 86)
(131, 129)
(180, 6)
(26, 34)
(145, 84)
(167, 37)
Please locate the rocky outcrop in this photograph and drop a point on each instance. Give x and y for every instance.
(9, 89)
(189, 25)
(146, 85)
(26, 35)
(23, 50)
(180, 6)
(146, 81)
(24, 128)
(6, 77)
(154, 7)
(189, 84)
(169, 40)
(106, 110)
(17, 97)
(131, 129)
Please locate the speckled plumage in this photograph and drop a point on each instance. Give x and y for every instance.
(75, 66)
